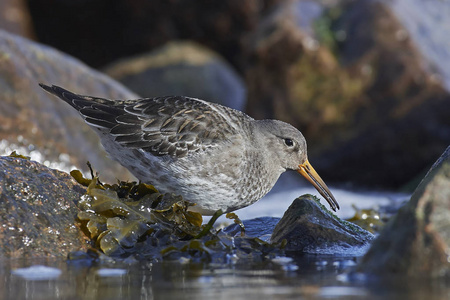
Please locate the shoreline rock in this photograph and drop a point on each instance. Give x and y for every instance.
(309, 227)
(38, 206)
(416, 242)
(181, 68)
(39, 125)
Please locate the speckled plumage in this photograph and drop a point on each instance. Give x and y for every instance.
(212, 155)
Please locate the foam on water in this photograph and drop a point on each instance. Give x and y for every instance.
(342, 291)
(37, 272)
(338, 250)
(106, 272)
(62, 163)
(276, 203)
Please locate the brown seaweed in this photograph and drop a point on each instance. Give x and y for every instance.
(368, 219)
(129, 218)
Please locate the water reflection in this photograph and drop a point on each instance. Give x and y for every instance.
(313, 278)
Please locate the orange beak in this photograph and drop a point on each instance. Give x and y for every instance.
(311, 175)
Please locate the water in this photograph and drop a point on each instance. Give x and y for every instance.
(304, 277)
(297, 276)
(292, 185)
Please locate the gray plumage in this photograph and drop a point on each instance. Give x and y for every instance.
(212, 155)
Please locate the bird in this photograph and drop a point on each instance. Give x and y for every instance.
(214, 156)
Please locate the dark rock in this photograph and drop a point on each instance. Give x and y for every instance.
(355, 85)
(416, 242)
(308, 227)
(37, 210)
(39, 125)
(181, 68)
(102, 31)
(261, 228)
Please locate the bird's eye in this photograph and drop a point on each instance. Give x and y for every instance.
(289, 142)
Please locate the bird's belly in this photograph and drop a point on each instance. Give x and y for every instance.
(208, 187)
(212, 184)
(209, 193)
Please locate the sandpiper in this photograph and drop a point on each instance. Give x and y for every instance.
(212, 155)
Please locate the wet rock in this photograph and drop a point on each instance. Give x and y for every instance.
(181, 68)
(355, 84)
(308, 227)
(261, 228)
(37, 210)
(416, 242)
(134, 221)
(41, 126)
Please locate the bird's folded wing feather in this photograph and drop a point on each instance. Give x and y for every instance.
(172, 126)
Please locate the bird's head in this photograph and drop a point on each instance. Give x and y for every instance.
(290, 153)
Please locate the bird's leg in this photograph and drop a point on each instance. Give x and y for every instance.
(209, 225)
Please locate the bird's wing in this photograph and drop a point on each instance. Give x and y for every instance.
(170, 125)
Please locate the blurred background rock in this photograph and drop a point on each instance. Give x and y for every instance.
(366, 81)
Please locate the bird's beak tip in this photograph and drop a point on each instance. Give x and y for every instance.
(307, 171)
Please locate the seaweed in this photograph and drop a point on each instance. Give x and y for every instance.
(130, 218)
(17, 155)
(368, 219)
(233, 216)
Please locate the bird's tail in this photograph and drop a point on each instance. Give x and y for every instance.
(97, 112)
(76, 101)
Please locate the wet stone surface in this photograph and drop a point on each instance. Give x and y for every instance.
(416, 242)
(37, 124)
(309, 227)
(38, 207)
(46, 213)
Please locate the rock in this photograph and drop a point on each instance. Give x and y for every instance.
(427, 24)
(416, 242)
(261, 228)
(41, 126)
(181, 68)
(15, 17)
(104, 31)
(37, 210)
(308, 227)
(275, 50)
(400, 119)
(361, 79)
(355, 85)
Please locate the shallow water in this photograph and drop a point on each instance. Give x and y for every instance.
(291, 185)
(305, 277)
(290, 277)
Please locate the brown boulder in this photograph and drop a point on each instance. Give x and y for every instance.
(355, 85)
(37, 210)
(39, 125)
(15, 18)
(181, 68)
